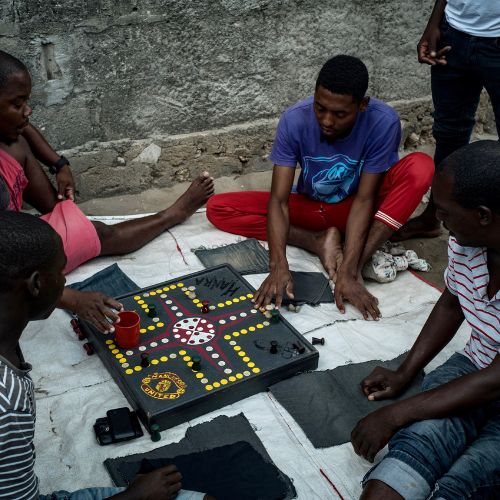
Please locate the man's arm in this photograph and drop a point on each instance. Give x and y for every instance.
(349, 285)
(427, 46)
(374, 431)
(278, 226)
(44, 152)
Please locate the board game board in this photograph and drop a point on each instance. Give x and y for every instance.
(238, 350)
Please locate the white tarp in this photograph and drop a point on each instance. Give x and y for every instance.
(73, 389)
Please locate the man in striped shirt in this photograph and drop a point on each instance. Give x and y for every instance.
(445, 442)
(31, 282)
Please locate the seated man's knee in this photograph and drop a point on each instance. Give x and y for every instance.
(104, 231)
(419, 171)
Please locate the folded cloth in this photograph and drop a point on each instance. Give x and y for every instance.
(219, 432)
(79, 236)
(227, 472)
(112, 281)
(247, 256)
(328, 404)
(309, 288)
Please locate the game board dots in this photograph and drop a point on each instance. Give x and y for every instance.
(129, 371)
(222, 322)
(211, 308)
(183, 341)
(246, 359)
(111, 346)
(187, 358)
(251, 364)
(250, 295)
(142, 348)
(227, 337)
(129, 353)
(144, 306)
(174, 308)
(196, 301)
(265, 323)
(233, 342)
(154, 361)
(200, 305)
(142, 330)
(204, 380)
(209, 348)
(154, 344)
(232, 378)
(223, 381)
(119, 355)
(190, 364)
(216, 384)
(138, 368)
(259, 325)
(123, 361)
(251, 328)
(163, 296)
(244, 331)
(151, 327)
(182, 352)
(140, 301)
(242, 297)
(125, 365)
(155, 320)
(168, 302)
(215, 355)
(242, 353)
(160, 324)
(239, 376)
(145, 294)
(256, 370)
(109, 342)
(208, 387)
(159, 290)
(232, 318)
(199, 375)
(237, 348)
(222, 363)
(220, 304)
(181, 284)
(115, 351)
(253, 311)
(236, 334)
(164, 340)
(137, 297)
(177, 335)
(228, 302)
(153, 293)
(243, 314)
(228, 371)
(236, 300)
(164, 359)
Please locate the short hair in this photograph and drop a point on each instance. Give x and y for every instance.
(27, 244)
(476, 174)
(8, 66)
(345, 75)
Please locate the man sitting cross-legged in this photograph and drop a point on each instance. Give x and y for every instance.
(445, 442)
(352, 184)
(82, 239)
(31, 283)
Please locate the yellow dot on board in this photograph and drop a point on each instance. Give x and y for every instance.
(242, 297)
(256, 370)
(152, 293)
(227, 337)
(228, 302)
(143, 330)
(119, 355)
(242, 353)
(223, 381)
(236, 299)
(138, 368)
(216, 385)
(199, 375)
(123, 360)
(129, 371)
(111, 346)
(109, 341)
(115, 351)
(160, 324)
(159, 290)
(239, 375)
(140, 302)
(260, 325)
(164, 358)
(146, 311)
(180, 284)
(182, 352)
(166, 288)
(151, 327)
(154, 361)
(220, 304)
(199, 305)
(237, 348)
(187, 358)
(208, 387)
(236, 334)
(251, 364)
(144, 306)
(244, 331)
(137, 297)
(250, 295)
(251, 328)
(196, 301)
(246, 359)
(232, 379)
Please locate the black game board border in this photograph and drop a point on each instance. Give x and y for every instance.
(224, 396)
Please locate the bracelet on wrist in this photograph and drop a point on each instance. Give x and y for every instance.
(58, 165)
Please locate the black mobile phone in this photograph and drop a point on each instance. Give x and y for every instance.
(120, 424)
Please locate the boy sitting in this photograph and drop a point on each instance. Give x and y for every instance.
(445, 442)
(82, 239)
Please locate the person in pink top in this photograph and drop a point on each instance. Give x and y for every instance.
(24, 180)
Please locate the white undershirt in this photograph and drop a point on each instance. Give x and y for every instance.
(475, 17)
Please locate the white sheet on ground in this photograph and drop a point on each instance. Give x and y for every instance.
(74, 389)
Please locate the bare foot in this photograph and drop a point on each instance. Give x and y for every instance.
(193, 198)
(418, 227)
(328, 247)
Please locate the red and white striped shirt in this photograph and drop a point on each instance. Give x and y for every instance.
(467, 277)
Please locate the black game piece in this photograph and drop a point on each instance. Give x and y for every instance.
(196, 366)
(316, 341)
(205, 309)
(274, 347)
(74, 324)
(275, 316)
(89, 348)
(299, 346)
(151, 311)
(76, 328)
(155, 432)
(144, 360)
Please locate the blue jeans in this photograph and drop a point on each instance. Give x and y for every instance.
(473, 64)
(104, 493)
(448, 458)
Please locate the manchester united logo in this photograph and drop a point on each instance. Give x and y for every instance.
(166, 385)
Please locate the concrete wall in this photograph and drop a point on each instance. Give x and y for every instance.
(145, 93)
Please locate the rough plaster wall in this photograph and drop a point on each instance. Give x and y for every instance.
(111, 75)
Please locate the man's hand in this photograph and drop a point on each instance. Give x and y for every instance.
(427, 48)
(97, 308)
(65, 184)
(279, 280)
(384, 384)
(373, 432)
(162, 483)
(355, 292)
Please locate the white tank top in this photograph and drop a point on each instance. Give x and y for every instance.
(475, 17)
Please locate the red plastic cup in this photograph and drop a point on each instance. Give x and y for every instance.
(127, 330)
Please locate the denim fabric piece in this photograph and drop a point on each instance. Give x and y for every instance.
(220, 431)
(112, 281)
(328, 404)
(247, 257)
(309, 288)
(83, 494)
(456, 457)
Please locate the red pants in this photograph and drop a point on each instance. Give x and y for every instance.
(404, 185)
